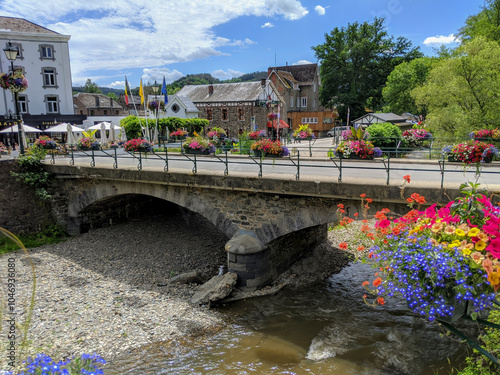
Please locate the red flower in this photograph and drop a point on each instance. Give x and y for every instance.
(377, 282)
(380, 301)
(407, 178)
(343, 245)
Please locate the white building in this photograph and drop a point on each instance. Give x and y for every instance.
(43, 56)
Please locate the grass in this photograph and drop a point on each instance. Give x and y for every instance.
(50, 235)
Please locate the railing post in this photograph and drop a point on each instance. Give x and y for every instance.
(297, 177)
(139, 166)
(195, 167)
(165, 168)
(115, 163)
(72, 161)
(92, 161)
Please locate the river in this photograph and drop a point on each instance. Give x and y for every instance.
(321, 329)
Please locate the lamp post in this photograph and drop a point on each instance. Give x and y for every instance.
(156, 88)
(11, 54)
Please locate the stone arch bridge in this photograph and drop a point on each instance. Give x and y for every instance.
(270, 223)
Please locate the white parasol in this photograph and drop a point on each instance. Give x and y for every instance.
(63, 128)
(123, 135)
(103, 133)
(107, 126)
(25, 142)
(70, 139)
(26, 128)
(112, 135)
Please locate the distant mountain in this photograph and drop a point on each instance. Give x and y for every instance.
(190, 79)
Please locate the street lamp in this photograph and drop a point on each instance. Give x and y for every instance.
(11, 54)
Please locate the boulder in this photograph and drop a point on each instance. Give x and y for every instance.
(217, 288)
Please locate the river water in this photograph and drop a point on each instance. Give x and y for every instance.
(321, 329)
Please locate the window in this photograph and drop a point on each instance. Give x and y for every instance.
(49, 77)
(97, 102)
(309, 120)
(81, 112)
(224, 114)
(52, 104)
(19, 48)
(105, 112)
(304, 101)
(241, 114)
(291, 101)
(176, 108)
(92, 112)
(46, 52)
(209, 114)
(116, 112)
(23, 103)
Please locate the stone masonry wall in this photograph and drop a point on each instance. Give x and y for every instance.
(21, 211)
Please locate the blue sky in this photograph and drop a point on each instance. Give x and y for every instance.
(171, 38)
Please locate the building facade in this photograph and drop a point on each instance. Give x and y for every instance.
(299, 86)
(43, 57)
(235, 107)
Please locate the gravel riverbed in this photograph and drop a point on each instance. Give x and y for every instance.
(107, 291)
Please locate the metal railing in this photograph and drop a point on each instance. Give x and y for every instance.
(317, 158)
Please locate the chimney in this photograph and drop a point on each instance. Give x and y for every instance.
(263, 82)
(210, 89)
(111, 102)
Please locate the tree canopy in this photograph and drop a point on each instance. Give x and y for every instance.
(355, 63)
(486, 23)
(404, 78)
(462, 92)
(91, 87)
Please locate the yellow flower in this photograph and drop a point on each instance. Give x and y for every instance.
(455, 243)
(466, 251)
(464, 227)
(460, 232)
(494, 278)
(480, 245)
(473, 232)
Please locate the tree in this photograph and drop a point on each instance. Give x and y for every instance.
(462, 93)
(113, 96)
(404, 78)
(355, 63)
(486, 23)
(91, 87)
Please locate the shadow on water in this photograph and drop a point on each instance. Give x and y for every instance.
(320, 329)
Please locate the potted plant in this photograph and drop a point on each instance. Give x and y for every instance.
(414, 138)
(303, 132)
(267, 147)
(445, 261)
(485, 134)
(155, 105)
(217, 133)
(198, 145)
(138, 145)
(179, 134)
(15, 82)
(470, 152)
(46, 143)
(357, 149)
(258, 134)
(88, 143)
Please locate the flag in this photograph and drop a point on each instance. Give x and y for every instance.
(126, 95)
(141, 93)
(348, 114)
(164, 90)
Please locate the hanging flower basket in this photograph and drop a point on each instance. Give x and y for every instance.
(358, 149)
(198, 145)
(87, 144)
(15, 82)
(155, 105)
(470, 152)
(138, 145)
(46, 143)
(267, 147)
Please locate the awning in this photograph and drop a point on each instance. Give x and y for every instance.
(274, 124)
(63, 128)
(27, 129)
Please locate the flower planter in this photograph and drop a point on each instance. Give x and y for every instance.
(452, 159)
(113, 146)
(86, 148)
(354, 156)
(259, 154)
(197, 152)
(303, 139)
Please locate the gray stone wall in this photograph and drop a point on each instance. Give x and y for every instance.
(233, 123)
(21, 212)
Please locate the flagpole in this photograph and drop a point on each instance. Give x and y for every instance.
(133, 101)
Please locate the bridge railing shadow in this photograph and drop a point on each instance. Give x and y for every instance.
(302, 160)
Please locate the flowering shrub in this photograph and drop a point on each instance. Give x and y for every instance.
(179, 133)
(44, 365)
(217, 132)
(257, 134)
(15, 82)
(486, 133)
(470, 152)
(303, 132)
(155, 105)
(138, 145)
(267, 146)
(363, 149)
(88, 142)
(46, 142)
(415, 137)
(439, 258)
(199, 144)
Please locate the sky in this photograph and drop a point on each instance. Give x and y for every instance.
(152, 39)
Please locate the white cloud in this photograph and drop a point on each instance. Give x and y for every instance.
(120, 34)
(220, 74)
(156, 74)
(302, 62)
(116, 85)
(267, 24)
(320, 10)
(441, 39)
